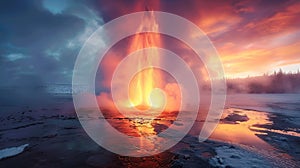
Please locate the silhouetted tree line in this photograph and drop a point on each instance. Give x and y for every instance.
(278, 82)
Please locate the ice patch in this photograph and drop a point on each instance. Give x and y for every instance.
(235, 157)
(8, 152)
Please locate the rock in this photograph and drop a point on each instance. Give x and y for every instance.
(227, 166)
(186, 156)
(268, 139)
(100, 160)
(234, 157)
(236, 117)
(177, 164)
(283, 138)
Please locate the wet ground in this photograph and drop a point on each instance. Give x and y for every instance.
(56, 139)
(260, 133)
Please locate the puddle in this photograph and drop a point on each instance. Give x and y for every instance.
(246, 128)
(239, 132)
(291, 133)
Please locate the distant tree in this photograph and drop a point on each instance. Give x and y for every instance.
(255, 87)
(278, 82)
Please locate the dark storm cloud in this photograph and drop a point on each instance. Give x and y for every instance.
(36, 29)
(39, 44)
(36, 41)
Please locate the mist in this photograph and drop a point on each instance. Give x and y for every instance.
(278, 82)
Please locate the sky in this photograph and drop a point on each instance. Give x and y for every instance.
(40, 39)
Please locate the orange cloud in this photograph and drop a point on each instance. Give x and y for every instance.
(252, 37)
(261, 44)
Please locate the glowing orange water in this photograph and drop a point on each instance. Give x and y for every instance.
(142, 85)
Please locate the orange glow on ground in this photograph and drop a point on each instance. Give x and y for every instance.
(240, 132)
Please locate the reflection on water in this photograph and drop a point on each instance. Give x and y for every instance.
(141, 135)
(240, 128)
(142, 125)
(261, 130)
(244, 131)
(255, 131)
(239, 132)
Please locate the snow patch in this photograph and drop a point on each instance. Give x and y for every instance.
(9, 152)
(236, 157)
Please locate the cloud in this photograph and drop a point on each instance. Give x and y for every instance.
(263, 37)
(15, 56)
(43, 38)
(246, 33)
(55, 6)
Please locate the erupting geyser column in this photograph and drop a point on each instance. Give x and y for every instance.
(142, 85)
